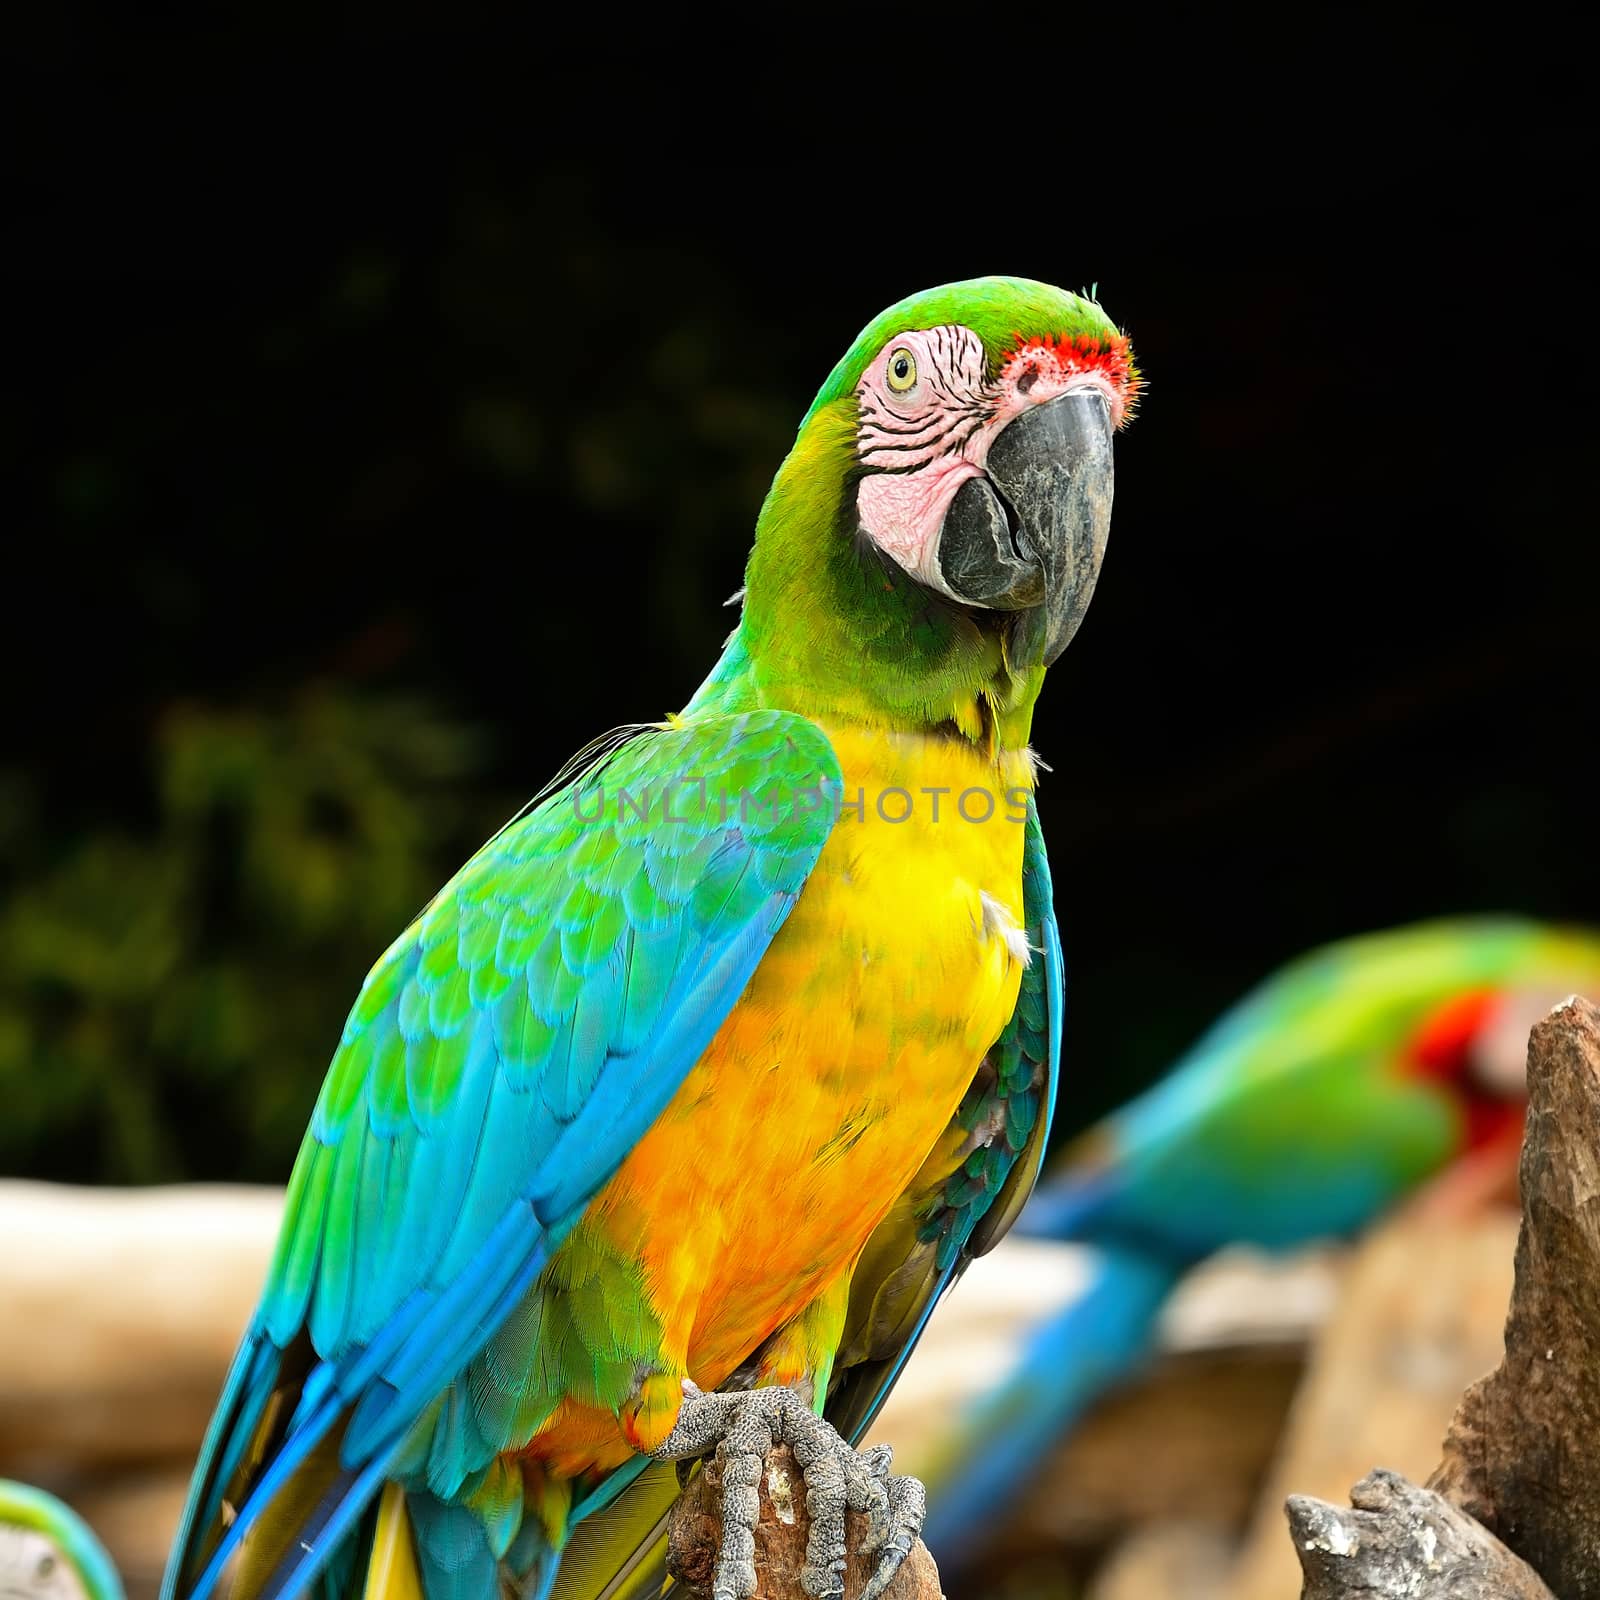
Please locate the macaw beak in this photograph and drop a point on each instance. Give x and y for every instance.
(1031, 534)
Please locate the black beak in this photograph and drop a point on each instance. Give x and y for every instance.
(1030, 536)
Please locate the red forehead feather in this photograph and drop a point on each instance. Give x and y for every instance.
(1086, 352)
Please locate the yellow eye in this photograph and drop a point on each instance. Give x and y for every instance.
(902, 370)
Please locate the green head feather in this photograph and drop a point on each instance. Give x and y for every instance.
(998, 310)
(832, 628)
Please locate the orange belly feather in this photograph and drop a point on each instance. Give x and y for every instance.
(835, 1075)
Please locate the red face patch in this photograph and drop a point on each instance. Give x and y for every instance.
(1076, 356)
(1441, 1049)
(929, 411)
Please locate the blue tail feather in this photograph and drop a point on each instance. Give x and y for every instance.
(325, 1531)
(245, 1392)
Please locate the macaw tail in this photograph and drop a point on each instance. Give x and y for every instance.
(618, 1551)
(1001, 1437)
(406, 1546)
(392, 1570)
(410, 1547)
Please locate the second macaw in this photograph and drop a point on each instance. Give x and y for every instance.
(669, 1119)
(1330, 1092)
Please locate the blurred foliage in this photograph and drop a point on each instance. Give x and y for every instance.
(170, 994)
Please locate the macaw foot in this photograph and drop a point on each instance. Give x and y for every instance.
(743, 1428)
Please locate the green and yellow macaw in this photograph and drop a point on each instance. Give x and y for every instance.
(668, 1120)
(48, 1552)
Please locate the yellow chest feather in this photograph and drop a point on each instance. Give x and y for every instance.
(845, 1059)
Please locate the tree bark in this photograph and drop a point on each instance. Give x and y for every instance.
(1523, 1454)
(1402, 1541)
(1513, 1509)
(695, 1537)
(1421, 1316)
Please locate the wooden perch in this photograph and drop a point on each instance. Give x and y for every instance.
(1523, 1454)
(1513, 1510)
(1402, 1540)
(696, 1529)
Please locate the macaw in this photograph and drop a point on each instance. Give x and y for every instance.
(1329, 1093)
(667, 1121)
(48, 1552)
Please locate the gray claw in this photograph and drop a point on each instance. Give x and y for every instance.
(908, 1510)
(743, 1428)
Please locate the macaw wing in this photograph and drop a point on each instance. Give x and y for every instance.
(501, 1060)
(972, 1187)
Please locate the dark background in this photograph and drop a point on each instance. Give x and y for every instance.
(385, 418)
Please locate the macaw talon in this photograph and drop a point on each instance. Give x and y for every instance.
(908, 1510)
(744, 1428)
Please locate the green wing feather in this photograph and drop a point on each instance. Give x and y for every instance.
(501, 1060)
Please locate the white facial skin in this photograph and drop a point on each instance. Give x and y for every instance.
(1498, 1057)
(928, 417)
(32, 1568)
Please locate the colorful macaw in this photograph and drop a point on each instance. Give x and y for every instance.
(668, 1120)
(48, 1552)
(1330, 1092)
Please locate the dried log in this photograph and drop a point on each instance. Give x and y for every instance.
(1522, 1457)
(1191, 1440)
(695, 1537)
(119, 1312)
(1403, 1541)
(1523, 1454)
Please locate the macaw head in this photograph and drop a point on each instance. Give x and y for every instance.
(932, 541)
(1463, 1046)
(1473, 1043)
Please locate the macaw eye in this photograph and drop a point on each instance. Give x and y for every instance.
(902, 370)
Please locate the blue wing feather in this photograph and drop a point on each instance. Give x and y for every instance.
(503, 1059)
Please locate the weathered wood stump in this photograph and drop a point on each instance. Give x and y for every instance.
(1523, 1454)
(1402, 1540)
(1513, 1510)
